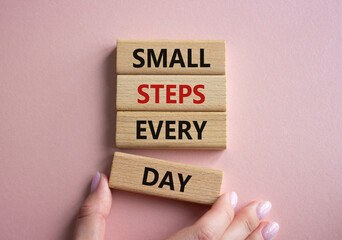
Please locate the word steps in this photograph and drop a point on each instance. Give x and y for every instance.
(171, 93)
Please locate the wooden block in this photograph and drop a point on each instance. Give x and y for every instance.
(187, 130)
(171, 57)
(196, 93)
(165, 179)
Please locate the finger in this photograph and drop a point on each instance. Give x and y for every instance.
(91, 220)
(247, 220)
(265, 231)
(213, 223)
(256, 234)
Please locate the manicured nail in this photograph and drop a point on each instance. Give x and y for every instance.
(263, 209)
(95, 182)
(233, 199)
(270, 230)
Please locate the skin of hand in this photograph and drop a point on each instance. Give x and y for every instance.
(219, 223)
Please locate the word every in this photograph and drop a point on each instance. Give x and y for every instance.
(177, 58)
(183, 128)
(183, 91)
(166, 180)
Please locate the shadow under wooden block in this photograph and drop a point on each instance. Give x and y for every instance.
(177, 130)
(196, 93)
(178, 57)
(165, 179)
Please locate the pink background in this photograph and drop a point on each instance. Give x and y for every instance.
(57, 102)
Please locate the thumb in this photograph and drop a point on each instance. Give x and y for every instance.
(91, 220)
(213, 223)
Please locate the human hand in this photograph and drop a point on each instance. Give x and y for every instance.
(219, 223)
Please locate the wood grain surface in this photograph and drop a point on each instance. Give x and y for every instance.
(186, 130)
(195, 93)
(165, 179)
(171, 57)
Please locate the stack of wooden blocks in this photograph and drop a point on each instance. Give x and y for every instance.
(170, 94)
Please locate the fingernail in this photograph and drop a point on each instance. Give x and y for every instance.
(270, 230)
(263, 209)
(233, 198)
(95, 182)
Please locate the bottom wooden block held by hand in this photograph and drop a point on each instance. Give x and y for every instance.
(200, 130)
(165, 179)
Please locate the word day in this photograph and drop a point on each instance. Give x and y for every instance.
(166, 180)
